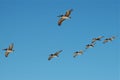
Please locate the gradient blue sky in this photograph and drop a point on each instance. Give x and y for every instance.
(32, 26)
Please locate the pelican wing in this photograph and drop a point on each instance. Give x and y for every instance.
(93, 40)
(75, 54)
(50, 57)
(105, 41)
(100, 37)
(6, 54)
(87, 46)
(57, 53)
(81, 52)
(60, 21)
(11, 46)
(112, 38)
(68, 12)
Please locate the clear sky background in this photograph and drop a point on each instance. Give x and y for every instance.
(32, 26)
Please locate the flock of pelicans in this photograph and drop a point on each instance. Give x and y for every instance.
(92, 44)
(67, 16)
(56, 54)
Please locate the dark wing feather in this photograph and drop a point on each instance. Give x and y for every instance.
(75, 54)
(68, 12)
(60, 21)
(11, 46)
(57, 53)
(50, 57)
(6, 54)
(106, 40)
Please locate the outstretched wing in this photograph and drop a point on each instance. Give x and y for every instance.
(81, 52)
(60, 21)
(57, 53)
(50, 57)
(75, 54)
(112, 38)
(11, 46)
(93, 40)
(100, 37)
(87, 46)
(6, 54)
(106, 40)
(68, 12)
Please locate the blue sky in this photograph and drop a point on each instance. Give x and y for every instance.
(32, 26)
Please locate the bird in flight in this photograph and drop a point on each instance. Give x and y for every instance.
(54, 55)
(9, 50)
(97, 39)
(64, 17)
(109, 39)
(77, 53)
(90, 45)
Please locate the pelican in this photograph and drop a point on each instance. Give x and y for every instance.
(54, 55)
(9, 50)
(90, 45)
(64, 17)
(97, 39)
(109, 39)
(77, 53)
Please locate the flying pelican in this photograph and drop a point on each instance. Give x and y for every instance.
(97, 39)
(109, 39)
(54, 55)
(90, 45)
(77, 53)
(9, 50)
(64, 17)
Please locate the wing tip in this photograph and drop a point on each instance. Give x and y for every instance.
(59, 24)
(71, 9)
(6, 56)
(49, 59)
